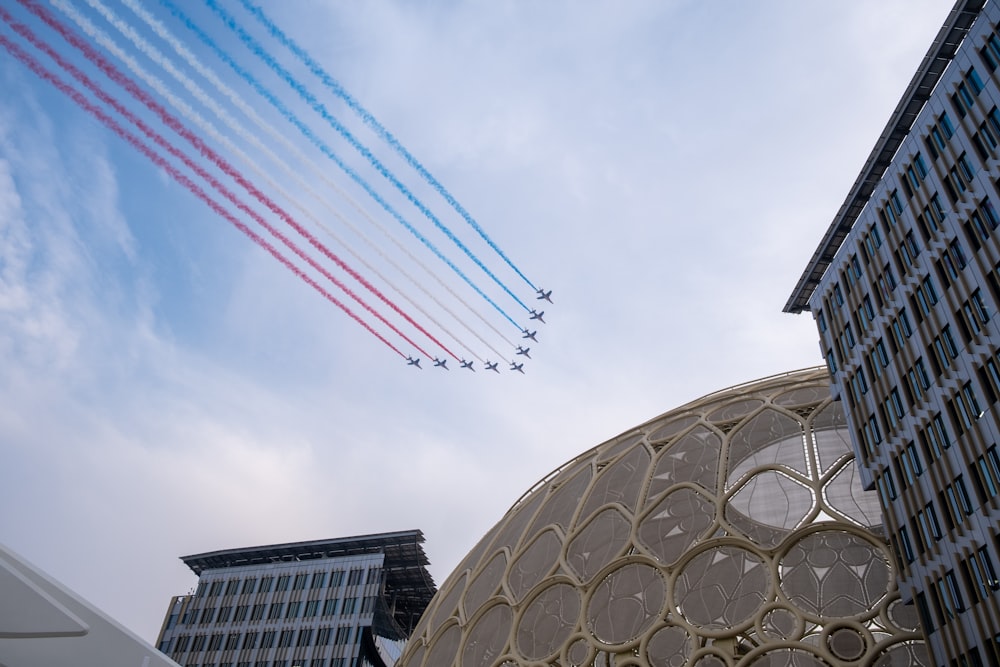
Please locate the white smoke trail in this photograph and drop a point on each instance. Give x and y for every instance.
(157, 85)
(160, 59)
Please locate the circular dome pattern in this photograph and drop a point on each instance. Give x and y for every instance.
(728, 532)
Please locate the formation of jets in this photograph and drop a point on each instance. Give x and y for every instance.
(526, 334)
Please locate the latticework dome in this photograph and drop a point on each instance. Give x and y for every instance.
(730, 531)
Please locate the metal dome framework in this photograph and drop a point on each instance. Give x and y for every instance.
(728, 532)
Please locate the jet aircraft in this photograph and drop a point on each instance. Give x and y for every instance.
(537, 315)
(441, 363)
(529, 334)
(410, 361)
(517, 367)
(468, 364)
(524, 351)
(492, 367)
(543, 294)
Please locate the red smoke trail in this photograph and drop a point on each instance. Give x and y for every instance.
(118, 77)
(136, 143)
(25, 32)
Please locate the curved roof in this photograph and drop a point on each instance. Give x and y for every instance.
(730, 531)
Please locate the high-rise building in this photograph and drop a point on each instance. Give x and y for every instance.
(342, 602)
(905, 292)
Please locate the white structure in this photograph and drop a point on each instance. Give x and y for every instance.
(730, 531)
(43, 624)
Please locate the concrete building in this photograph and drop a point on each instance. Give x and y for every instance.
(905, 289)
(342, 602)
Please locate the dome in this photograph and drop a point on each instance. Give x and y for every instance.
(731, 531)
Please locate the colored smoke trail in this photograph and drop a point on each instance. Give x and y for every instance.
(160, 162)
(160, 59)
(130, 86)
(290, 117)
(319, 108)
(377, 127)
(239, 103)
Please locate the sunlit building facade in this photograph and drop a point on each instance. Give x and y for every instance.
(905, 289)
(346, 602)
(730, 531)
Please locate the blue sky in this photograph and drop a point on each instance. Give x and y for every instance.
(667, 168)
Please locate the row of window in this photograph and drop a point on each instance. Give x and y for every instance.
(331, 579)
(948, 597)
(277, 610)
(233, 641)
(298, 662)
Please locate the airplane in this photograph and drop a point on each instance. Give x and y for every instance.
(441, 363)
(468, 364)
(530, 334)
(537, 315)
(410, 361)
(542, 294)
(491, 367)
(524, 351)
(517, 367)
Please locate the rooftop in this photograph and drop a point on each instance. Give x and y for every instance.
(405, 563)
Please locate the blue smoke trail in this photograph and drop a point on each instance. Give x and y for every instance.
(377, 127)
(290, 117)
(319, 108)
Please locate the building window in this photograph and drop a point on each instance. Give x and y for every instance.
(305, 637)
(294, 609)
(323, 636)
(265, 584)
(336, 579)
(343, 635)
(232, 641)
(300, 581)
(250, 640)
(319, 580)
(283, 582)
(990, 53)
(276, 609)
(248, 586)
(285, 638)
(330, 607)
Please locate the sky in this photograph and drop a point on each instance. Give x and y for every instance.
(168, 388)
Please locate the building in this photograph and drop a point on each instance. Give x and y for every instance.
(342, 602)
(730, 531)
(905, 289)
(42, 622)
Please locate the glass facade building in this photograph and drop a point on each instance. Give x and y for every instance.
(905, 289)
(347, 602)
(731, 531)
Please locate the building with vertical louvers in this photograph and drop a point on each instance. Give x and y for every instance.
(905, 289)
(346, 602)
